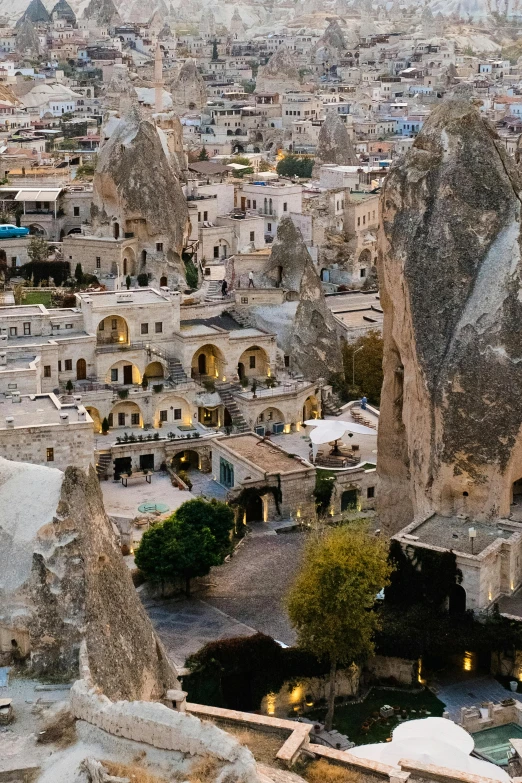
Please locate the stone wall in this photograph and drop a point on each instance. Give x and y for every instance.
(73, 442)
(293, 696)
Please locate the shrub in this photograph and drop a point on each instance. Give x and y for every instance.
(143, 280)
(123, 394)
(105, 425)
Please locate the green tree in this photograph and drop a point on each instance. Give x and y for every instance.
(191, 541)
(331, 602)
(203, 155)
(37, 249)
(69, 386)
(295, 166)
(78, 273)
(362, 361)
(105, 425)
(215, 53)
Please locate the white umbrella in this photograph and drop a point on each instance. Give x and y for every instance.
(441, 728)
(347, 426)
(326, 431)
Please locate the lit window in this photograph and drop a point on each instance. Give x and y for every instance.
(50, 455)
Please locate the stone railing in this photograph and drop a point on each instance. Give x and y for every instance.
(160, 726)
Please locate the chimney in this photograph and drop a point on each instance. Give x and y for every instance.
(3, 359)
(64, 417)
(9, 421)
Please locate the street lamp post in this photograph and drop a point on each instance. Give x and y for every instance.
(353, 363)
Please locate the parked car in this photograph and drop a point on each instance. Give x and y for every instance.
(7, 230)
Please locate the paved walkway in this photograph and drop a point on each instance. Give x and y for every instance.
(241, 597)
(120, 501)
(470, 693)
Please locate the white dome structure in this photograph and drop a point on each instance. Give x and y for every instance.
(435, 741)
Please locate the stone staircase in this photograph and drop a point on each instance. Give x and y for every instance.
(213, 291)
(225, 391)
(241, 316)
(332, 405)
(103, 464)
(176, 372)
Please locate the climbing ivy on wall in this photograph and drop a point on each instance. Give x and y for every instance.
(421, 576)
(249, 495)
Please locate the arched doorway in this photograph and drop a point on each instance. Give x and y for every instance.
(125, 264)
(185, 460)
(254, 509)
(112, 329)
(126, 414)
(163, 281)
(349, 500)
(311, 408)
(457, 600)
(154, 370)
(208, 360)
(116, 231)
(255, 363)
(81, 370)
(241, 370)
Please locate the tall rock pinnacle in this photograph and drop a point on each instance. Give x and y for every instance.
(450, 438)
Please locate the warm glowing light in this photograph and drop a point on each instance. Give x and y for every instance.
(511, 586)
(224, 378)
(268, 372)
(490, 595)
(298, 513)
(331, 512)
(296, 696)
(286, 429)
(217, 373)
(131, 551)
(270, 703)
(468, 662)
(121, 339)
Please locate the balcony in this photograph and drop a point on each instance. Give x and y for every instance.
(267, 212)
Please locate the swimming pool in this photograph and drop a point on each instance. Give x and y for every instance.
(493, 744)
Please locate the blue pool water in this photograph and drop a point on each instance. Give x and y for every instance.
(493, 744)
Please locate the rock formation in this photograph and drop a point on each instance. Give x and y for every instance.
(136, 190)
(314, 345)
(27, 41)
(237, 27)
(62, 10)
(280, 74)
(188, 90)
(35, 12)
(63, 582)
(334, 144)
(102, 12)
(450, 274)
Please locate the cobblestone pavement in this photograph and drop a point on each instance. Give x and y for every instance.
(469, 693)
(241, 597)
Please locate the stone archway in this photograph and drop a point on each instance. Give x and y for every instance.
(94, 413)
(208, 361)
(255, 363)
(311, 408)
(163, 281)
(126, 414)
(349, 500)
(112, 329)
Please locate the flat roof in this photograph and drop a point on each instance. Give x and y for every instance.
(118, 298)
(22, 311)
(453, 533)
(36, 410)
(263, 454)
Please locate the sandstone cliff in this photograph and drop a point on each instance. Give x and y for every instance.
(334, 144)
(280, 74)
(137, 190)
(449, 266)
(63, 581)
(27, 41)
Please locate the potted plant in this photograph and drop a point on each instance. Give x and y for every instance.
(69, 385)
(105, 426)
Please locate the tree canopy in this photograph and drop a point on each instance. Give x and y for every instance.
(295, 166)
(367, 364)
(331, 602)
(187, 544)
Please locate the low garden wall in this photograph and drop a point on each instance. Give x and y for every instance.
(307, 693)
(472, 719)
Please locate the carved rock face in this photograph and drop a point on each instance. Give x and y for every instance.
(334, 144)
(136, 187)
(314, 345)
(188, 90)
(449, 269)
(279, 74)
